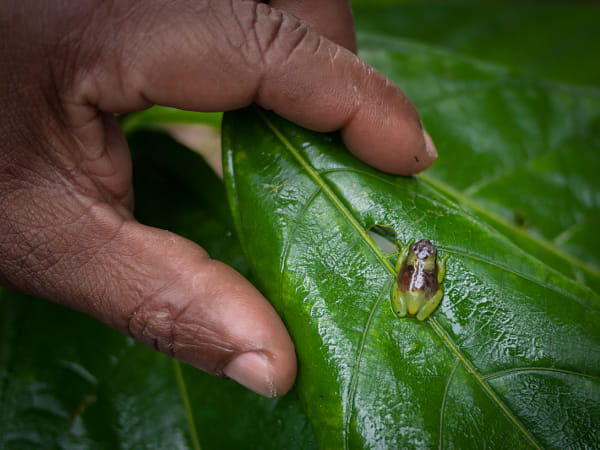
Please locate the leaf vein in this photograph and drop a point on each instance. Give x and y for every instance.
(462, 199)
(481, 381)
(541, 283)
(288, 243)
(510, 371)
(567, 233)
(389, 182)
(354, 380)
(510, 170)
(444, 401)
(462, 252)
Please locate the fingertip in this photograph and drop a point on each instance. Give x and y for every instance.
(262, 356)
(384, 129)
(391, 141)
(430, 146)
(261, 374)
(285, 367)
(252, 370)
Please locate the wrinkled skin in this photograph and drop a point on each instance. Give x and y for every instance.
(67, 231)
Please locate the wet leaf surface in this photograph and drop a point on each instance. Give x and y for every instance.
(510, 356)
(514, 347)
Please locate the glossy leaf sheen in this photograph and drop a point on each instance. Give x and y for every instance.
(68, 381)
(511, 357)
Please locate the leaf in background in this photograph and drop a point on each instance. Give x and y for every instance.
(551, 41)
(510, 359)
(162, 115)
(67, 380)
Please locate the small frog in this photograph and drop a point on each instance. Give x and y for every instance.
(417, 290)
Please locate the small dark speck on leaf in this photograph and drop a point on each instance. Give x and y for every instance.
(520, 220)
(416, 158)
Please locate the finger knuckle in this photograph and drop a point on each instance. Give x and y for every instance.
(154, 324)
(267, 36)
(280, 35)
(178, 330)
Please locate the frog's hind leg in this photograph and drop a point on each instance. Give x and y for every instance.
(398, 303)
(430, 306)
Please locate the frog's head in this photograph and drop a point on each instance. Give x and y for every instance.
(423, 252)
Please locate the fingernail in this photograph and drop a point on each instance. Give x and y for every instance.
(429, 147)
(252, 370)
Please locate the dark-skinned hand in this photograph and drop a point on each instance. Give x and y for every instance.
(67, 230)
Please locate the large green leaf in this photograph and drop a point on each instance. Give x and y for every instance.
(511, 358)
(69, 381)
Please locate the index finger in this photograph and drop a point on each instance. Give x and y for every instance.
(224, 55)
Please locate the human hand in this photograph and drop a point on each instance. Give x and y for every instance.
(67, 230)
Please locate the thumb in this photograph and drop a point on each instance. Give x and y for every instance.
(67, 234)
(66, 229)
(153, 285)
(176, 300)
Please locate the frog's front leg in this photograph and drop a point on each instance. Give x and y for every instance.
(430, 305)
(403, 254)
(441, 268)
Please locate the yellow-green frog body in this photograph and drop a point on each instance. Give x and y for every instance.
(417, 290)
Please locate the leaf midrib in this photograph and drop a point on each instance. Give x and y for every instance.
(383, 260)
